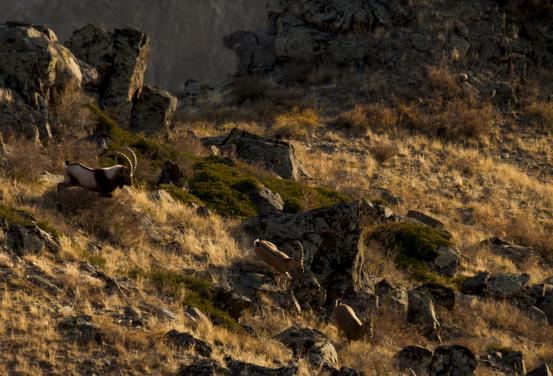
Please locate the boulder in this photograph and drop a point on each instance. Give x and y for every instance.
(425, 219)
(246, 369)
(330, 238)
(311, 345)
(393, 298)
(274, 155)
(542, 370)
(152, 111)
(420, 312)
(506, 285)
(196, 317)
(414, 359)
(187, 341)
(447, 262)
(35, 66)
(205, 367)
(308, 291)
(545, 303)
(511, 362)
(131, 49)
(29, 239)
(453, 360)
(79, 329)
(514, 252)
(267, 201)
(255, 52)
(476, 284)
(171, 174)
(94, 46)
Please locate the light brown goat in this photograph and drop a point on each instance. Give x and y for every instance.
(349, 324)
(271, 255)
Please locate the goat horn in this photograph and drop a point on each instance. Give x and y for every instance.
(135, 159)
(125, 158)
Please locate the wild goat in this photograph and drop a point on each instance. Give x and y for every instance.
(101, 180)
(349, 324)
(271, 255)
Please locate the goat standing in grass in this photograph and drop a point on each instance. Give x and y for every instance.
(271, 255)
(101, 180)
(349, 324)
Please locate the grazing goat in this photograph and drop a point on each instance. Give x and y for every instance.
(271, 255)
(349, 324)
(101, 180)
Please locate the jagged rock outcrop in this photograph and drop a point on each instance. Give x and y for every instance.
(330, 237)
(152, 111)
(446, 360)
(187, 341)
(36, 75)
(311, 345)
(274, 155)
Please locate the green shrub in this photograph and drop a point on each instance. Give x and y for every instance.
(226, 187)
(180, 194)
(414, 246)
(23, 218)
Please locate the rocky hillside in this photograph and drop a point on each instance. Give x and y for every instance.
(393, 159)
(186, 34)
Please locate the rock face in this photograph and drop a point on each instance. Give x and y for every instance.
(153, 110)
(414, 358)
(28, 239)
(131, 49)
(93, 45)
(274, 155)
(421, 312)
(330, 238)
(453, 360)
(36, 74)
(34, 65)
(310, 344)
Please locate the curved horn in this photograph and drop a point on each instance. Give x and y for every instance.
(117, 153)
(135, 159)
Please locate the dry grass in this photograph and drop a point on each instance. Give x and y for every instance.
(297, 123)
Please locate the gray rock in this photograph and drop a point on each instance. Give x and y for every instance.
(308, 291)
(448, 261)
(205, 367)
(79, 329)
(542, 370)
(131, 49)
(296, 40)
(425, 219)
(546, 305)
(34, 65)
(440, 295)
(254, 51)
(330, 237)
(420, 312)
(475, 285)
(152, 111)
(29, 240)
(415, 359)
(514, 252)
(274, 155)
(187, 341)
(247, 369)
(506, 285)
(507, 361)
(537, 315)
(196, 316)
(392, 298)
(453, 360)
(94, 46)
(311, 345)
(267, 201)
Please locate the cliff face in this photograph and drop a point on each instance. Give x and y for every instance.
(186, 34)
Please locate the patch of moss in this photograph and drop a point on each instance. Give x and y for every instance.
(23, 218)
(414, 245)
(16, 217)
(180, 194)
(191, 291)
(226, 188)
